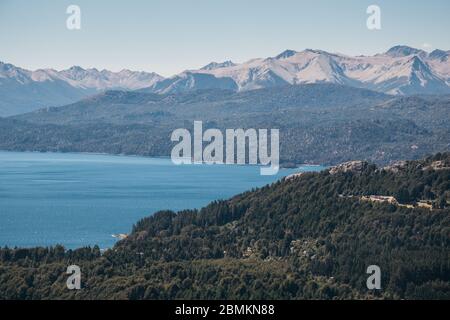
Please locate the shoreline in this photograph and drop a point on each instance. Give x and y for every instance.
(286, 165)
(54, 156)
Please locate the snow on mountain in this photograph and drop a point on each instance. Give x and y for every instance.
(313, 66)
(10, 72)
(439, 54)
(102, 80)
(403, 51)
(285, 54)
(24, 90)
(82, 78)
(289, 67)
(188, 81)
(215, 65)
(439, 61)
(400, 70)
(408, 75)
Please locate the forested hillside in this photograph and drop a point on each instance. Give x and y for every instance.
(310, 236)
(318, 123)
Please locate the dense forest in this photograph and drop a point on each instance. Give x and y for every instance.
(309, 236)
(319, 123)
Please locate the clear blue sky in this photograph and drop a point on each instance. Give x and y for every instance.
(168, 36)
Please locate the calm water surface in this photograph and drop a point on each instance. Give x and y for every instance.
(83, 199)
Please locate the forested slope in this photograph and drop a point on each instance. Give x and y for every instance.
(318, 123)
(309, 236)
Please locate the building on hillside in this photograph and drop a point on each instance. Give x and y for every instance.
(375, 198)
(426, 204)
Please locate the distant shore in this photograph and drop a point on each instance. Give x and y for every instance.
(283, 165)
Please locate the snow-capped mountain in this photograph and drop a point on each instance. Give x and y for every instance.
(400, 70)
(82, 78)
(189, 81)
(216, 65)
(403, 51)
(24, 90)
(105, 79)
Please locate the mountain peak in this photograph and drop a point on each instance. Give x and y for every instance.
(403, 51)
(319, 52)
(76, 68)
(286, 54)
(6, 65)
(439, 54)
(418, 66)
(217, 65)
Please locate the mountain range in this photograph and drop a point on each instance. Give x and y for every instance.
(23, 90)
(401, 70)
(319, 123)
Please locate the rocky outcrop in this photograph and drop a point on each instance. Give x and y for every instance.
(294, 176)
(350, 166)
(438, 165)
(396, 166)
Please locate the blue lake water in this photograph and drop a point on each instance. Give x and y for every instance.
(83, 199)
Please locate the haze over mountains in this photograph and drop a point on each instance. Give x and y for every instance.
(401, 70)
(23, 90)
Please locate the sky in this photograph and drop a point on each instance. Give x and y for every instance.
(170, 36)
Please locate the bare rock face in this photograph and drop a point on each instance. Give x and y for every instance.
(294, 176)
(438, 165)
(396, 166)
(350, 166)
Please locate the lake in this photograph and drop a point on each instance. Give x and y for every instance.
(83, 199)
